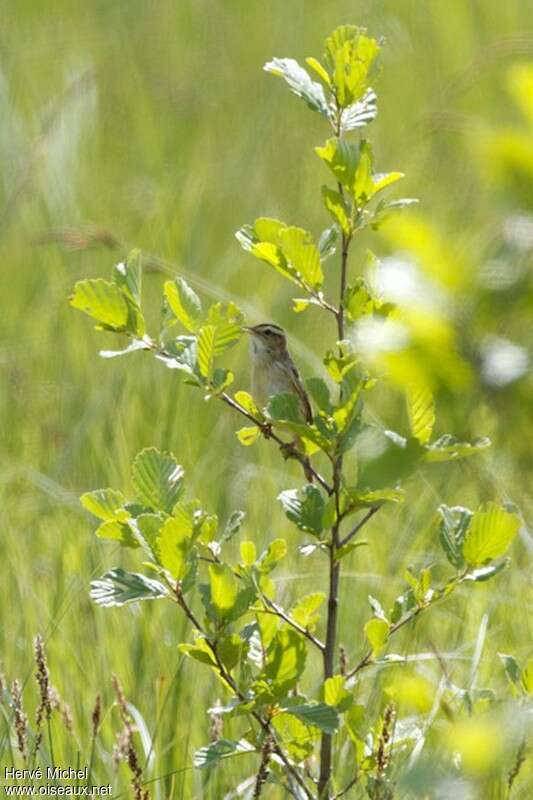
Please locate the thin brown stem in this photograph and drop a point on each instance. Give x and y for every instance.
(355, 530)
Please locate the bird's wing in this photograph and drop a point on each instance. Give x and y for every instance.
(298, 388)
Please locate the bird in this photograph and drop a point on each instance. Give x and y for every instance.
(273, 370)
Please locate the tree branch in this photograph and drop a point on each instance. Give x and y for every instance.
(279, 612)
(355, 530)
(268, 433)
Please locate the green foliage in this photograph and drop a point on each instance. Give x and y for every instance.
(261, 652)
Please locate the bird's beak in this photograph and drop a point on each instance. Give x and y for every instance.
(247, 329)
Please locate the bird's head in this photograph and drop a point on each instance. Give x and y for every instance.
(267, 339)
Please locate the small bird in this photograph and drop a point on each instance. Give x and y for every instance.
(274, 371)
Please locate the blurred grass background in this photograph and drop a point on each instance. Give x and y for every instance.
(154, 122)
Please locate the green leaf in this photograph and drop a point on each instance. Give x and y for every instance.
(377, 633)
(158, 479)
(512, 670)
(103, 301)
(285, 660)
(358, 301)
(305, 611)
(128, 276)
(360, 113)
(327, 244)
(526, 677)
(349, 57)
(275, 552)
(200, 651)
(454, 524)
(206, 350)
(319, 715)
(319, 391)
(173, 544)
(302, 254)
(366, 499)
(447, 448)
(336, 695)
(185, 303)
(224, 589)
(491, 531)
(103, 503)
(342, 158)
(248, 553)
(319, 69)
(335, 204)
(211, 754)
(117, 531)
(299, 82)
(246, 401)
(298, 738)
(233, 525)
(486, 573)
(249, 435)
(231, 649)
(421, 410)
(118, 587)
(304, 507)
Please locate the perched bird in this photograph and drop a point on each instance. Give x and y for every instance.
(273, 370)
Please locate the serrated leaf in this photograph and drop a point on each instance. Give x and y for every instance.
(184, 302)
(305, 508)
(249, 435)
(490, 533)
(377, 633)
(360, 113)
(320, 715)
(421, 411)
(342, 158)
(349, 57)
(103, 301)
(206, 350)
(118, 587)
(211, 754)
(158, 479)
(302, 254)
(103, 503)
(299, 82)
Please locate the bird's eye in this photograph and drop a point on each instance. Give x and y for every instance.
(268, 332)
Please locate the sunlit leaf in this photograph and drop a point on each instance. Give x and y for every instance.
(224, 588)
(249, 435)
(336, 205)
(286, 658)
(421, 410)
(360, 113)
(184, 302)
(103, 503)
(305, 610)
(302, 254)
(128, 276)
(336, 695)
(158, 479)
(454, 524)
(103, 301)
(491, 531)
(173, 544)
(299, 82)
(377, 633)
(447, 448)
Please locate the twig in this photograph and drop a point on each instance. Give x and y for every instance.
(268, 433)
(355, 530)
(279, 612)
